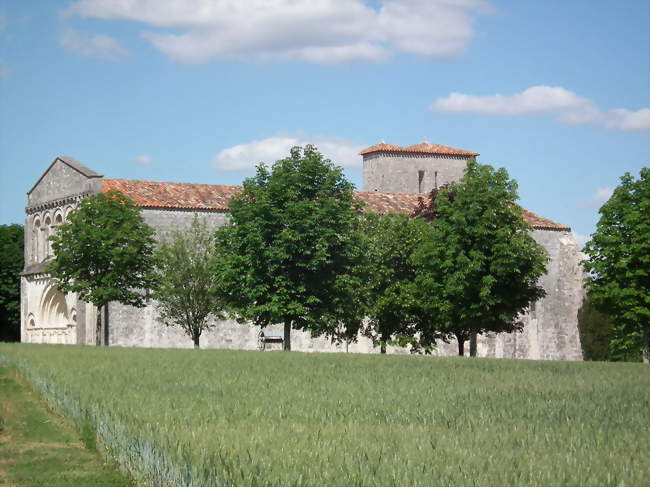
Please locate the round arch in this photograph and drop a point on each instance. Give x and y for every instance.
(53, 310)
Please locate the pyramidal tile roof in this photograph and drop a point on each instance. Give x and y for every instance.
(216, 197)
(421, 148)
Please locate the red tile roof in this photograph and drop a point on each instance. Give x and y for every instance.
(154, 194)
(421, 148)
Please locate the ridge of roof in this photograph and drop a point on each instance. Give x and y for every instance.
(72, 163)
(421, 148)
(215, 197)
(76, 165)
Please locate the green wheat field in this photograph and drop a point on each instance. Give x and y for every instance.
(221, 418)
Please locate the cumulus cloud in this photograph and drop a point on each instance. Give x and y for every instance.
(93, 45)
(556, 101)
(581, 240)
(599, 198)
(341, 151)
(318, 31)
(143, 160)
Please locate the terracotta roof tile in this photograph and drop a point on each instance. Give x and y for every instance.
(153, 194)
(389, 202)
(382, 147)
(421, 148)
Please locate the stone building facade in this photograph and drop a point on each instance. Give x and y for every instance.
(395, 179)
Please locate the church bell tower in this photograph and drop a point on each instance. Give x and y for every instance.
(417, 168)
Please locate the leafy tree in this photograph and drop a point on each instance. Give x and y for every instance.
(595, 332)
(104, 254)
(619, 262)
(185, 283)
(481, 265)
(290, 252)
(393, 309)
(11, 265)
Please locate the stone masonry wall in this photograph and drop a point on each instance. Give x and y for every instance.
(401, 172)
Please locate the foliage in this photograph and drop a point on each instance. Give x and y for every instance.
(595, 332)
(619, 261)
(175, 417)
(481, 267)
(104, 251)
(393, 309)
(290, 251)
(185, 282)
(11, 265)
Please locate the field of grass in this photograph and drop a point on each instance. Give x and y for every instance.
(204, 418)
(38, 448)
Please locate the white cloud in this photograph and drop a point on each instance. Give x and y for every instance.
(319, 31)
(599, 198)
(565, 105)
(143, 160)
(96, 46)
(341, 151)
(580, 239)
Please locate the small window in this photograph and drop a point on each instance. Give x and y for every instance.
(420, 180)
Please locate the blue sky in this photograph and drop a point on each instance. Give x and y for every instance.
(556, 92)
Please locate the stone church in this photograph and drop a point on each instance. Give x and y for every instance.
(394, 179)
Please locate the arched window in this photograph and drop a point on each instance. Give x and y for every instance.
(36, 233)
(31, 322)
(47, 231)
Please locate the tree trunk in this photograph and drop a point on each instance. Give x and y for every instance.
(645, 345)
(382, 346)
(98, 327)
(472, 344)
(287, 336)
(106, 325)
(461, 346)
(196, 339)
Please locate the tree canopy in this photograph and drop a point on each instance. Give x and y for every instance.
(619, 261)
(482, 264)
(393, 309)
(103, 253)
(185, 283)
(11, 265)
(289, 254)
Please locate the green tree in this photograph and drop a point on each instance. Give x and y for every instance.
(595, 332)
(290, 252)
(482, 264)
(393, 309)
(11, 265)
(104, 253)
(185, 282)
(619, 262)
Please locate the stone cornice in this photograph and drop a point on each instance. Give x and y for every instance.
(412, 155)
(48, 205)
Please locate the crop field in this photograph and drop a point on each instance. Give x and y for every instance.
(204, 418)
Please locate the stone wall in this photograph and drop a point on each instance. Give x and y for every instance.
(410, 173)
(551, 324)
(132, 327)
